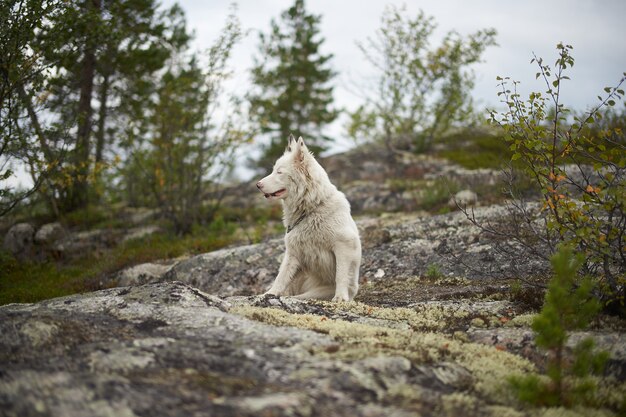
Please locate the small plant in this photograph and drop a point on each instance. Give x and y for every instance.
(434, 272)
(435, 197)
(527, 294)
(568, 306)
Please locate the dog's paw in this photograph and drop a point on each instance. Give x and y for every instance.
(270, 294)
(338, 298)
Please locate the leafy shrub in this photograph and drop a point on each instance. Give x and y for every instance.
(579, 167)
(420, 90)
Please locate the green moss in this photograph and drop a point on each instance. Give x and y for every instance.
(523, 320)
(474, 149)
(577, 412)
(502, 411)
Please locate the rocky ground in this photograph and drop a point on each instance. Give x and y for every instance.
(441, 321)
(190, 338)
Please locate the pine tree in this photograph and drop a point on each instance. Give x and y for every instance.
(569, 305)
(99, 55)
(293, 94)
(182, 152)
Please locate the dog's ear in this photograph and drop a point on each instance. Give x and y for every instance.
(299, 150)
(290, 143)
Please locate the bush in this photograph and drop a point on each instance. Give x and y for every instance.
(421, 90)
(579, 166)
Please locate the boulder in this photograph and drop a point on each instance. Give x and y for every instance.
(49, 233)
(243, 270)
(404, 246)
(168, 349)
(464, 198)
(142, 274)
(80, 243)
(19, 240)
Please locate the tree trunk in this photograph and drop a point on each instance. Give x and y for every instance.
(79, 194)
(102, 115)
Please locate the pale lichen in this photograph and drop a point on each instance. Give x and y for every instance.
(488, 365)
(571, 412)
(523, 320)
(427, 316)
(459, 403)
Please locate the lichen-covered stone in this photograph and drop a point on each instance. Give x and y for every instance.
(168, 349)
(142, 274)
(49, 233)
(243, 270)
(19, 240)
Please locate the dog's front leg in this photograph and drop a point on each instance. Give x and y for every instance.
(287, 270)
(347, 260)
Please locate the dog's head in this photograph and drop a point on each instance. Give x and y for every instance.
(287, 171)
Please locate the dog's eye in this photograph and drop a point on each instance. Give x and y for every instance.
(279, 172)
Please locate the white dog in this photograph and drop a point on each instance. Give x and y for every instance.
(323, 249)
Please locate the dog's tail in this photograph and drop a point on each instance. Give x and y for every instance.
(318, 293)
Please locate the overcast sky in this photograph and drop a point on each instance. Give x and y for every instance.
(595, 29)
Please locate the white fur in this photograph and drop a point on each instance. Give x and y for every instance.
(323, 250)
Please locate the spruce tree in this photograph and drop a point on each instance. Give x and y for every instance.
(569, 305)
(293, 91)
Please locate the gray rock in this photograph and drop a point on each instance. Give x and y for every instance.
(373, 235)
(19, 240)
(77, 244)
(140, 216)
(244, 270)
(50, 233)
(168, 349)
(142, 274)
(463, 198)
(140, 232)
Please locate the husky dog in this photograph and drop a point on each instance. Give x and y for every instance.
(323, 249)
